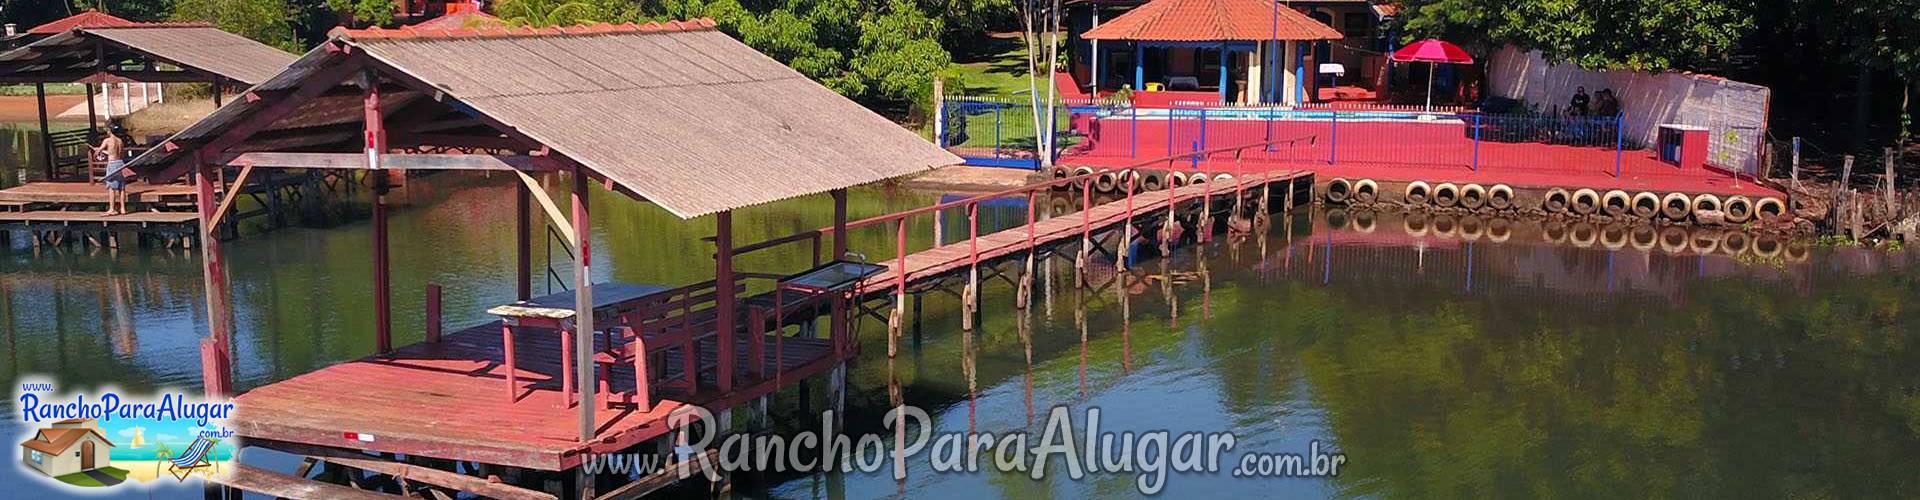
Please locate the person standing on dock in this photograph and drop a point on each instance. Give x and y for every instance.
(114, 150)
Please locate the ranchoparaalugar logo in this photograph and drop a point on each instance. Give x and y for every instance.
(107, 438)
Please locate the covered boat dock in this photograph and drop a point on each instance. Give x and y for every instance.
(676, 114)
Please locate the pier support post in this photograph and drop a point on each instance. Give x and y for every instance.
(523, 242)
(837, 395)
(376, 145)
(46, 143)
(215, 354)
(583, 306)
(837, 323)
(723, 297)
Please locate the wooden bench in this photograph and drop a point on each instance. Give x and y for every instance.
(680, 322)
(71, 151)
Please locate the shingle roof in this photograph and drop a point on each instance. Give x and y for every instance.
(677, 113)
(196, 46)
(1211, 21)
(89, 19)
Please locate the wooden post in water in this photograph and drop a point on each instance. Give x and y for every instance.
(215, 355)
(583, 309)
(46, 141)
(837, 323)
(523, 243)
(723, 298)
(376, 145)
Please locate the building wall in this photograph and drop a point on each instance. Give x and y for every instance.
(1734, 112)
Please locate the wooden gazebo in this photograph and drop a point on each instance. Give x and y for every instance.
(94, 49)
(676, 114)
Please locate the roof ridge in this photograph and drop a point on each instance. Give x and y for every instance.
(159, 24)
(585, 29)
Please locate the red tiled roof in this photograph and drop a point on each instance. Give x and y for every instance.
(510, 31)
(1211, 21)
(89, 19)
(465, 18)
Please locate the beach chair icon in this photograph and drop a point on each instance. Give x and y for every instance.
(195, 458)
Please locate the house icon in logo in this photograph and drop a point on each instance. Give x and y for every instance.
(69, 447)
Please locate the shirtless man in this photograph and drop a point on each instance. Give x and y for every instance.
(116, 180)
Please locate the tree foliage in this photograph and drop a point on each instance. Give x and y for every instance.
(366, 12)
(268, 21)
(1604, 34)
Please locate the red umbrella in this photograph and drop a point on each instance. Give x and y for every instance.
(1433, 52)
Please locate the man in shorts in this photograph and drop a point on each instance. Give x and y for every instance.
(114, 150)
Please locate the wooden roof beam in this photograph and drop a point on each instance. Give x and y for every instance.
(395, 161)
(315, 85)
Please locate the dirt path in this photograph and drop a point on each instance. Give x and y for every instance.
(25, 108)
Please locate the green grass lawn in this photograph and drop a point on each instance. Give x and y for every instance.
(997, 68)
(82, 479)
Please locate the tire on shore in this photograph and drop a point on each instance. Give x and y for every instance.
(1059, 172)
(1077, 172)
(1104, 182)
(1616, 203)
(1585, 201)
(1706, 202)
(1446, 194)
(1738, 209)
(1500, 197)
(1177, 178)
(1152, 180)
(1767, 246)
(1769, 207)
(1473, 196)
(1676, 206)
(1553, 231)
(1366, 191)
(1418, 193)
(1363, 221)
(1556, 201)
(1646, 205)
(1338, 190)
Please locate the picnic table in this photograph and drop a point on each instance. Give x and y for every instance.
(556, 311)
(835, 280)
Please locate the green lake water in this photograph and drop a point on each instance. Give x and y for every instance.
(1440, 366)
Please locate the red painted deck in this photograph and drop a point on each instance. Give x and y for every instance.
(1405, 150)
(81, 192)
(446, 400)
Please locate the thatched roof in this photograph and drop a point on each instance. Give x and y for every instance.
(678, 113)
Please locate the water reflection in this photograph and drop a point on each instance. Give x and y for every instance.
(1453, 356)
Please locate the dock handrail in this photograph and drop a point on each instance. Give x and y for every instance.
(815, 235)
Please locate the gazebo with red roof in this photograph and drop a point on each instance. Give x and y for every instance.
(1181, 29)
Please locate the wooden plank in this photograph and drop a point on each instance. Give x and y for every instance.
(665, 477)
(277, 485)
(398, 161)
(70, 216)
(554, 216)
(227, 203)
(411, 472)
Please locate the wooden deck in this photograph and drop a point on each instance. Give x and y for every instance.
(82, 192)
(449, 400)
(939, 261)
(82, 219)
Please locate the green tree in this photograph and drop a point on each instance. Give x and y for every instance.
(268, 21)
(1648, 35)
(365, 12)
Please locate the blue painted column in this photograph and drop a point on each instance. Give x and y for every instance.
(1300, 72)
(1225, 57)
(1139, 67)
